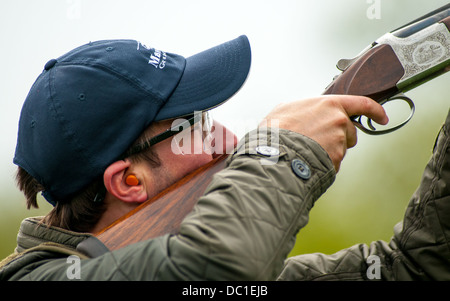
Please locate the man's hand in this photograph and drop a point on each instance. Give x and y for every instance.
(325, 119)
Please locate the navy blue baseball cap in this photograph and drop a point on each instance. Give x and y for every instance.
(89, 105)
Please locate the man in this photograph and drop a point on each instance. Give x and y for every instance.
(97, 137)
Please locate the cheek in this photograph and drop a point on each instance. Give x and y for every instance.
(185, 164)
(159, 179)
(179, 165)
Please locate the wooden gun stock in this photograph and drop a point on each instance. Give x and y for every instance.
(374, 75)
(163, 213)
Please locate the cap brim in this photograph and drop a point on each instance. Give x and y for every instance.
(210, 78)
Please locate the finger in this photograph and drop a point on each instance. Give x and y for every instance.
(360, 105)
(352, 135)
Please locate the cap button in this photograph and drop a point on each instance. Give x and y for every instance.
(50, 64)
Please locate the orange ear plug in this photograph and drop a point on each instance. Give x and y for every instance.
(132, 180)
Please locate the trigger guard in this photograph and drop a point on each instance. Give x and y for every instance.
(372, 131)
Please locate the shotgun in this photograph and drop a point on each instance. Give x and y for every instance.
(393, 64)
(396, 63)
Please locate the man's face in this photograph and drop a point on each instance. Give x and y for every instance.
(186, 152)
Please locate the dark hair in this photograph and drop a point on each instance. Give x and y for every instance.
(80, 213)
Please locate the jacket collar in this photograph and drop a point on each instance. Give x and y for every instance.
(33, 232)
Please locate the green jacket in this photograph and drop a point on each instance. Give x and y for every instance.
(245, 225)
(419, 248)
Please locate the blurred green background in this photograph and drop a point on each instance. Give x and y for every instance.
(295, 46)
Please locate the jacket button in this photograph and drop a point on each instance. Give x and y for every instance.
(301, 169)
(268, 151)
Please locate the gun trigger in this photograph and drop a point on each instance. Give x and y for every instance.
(357, 120)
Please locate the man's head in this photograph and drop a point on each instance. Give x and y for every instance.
(89, 106)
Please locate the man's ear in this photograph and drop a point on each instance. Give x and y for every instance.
(114, 178)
